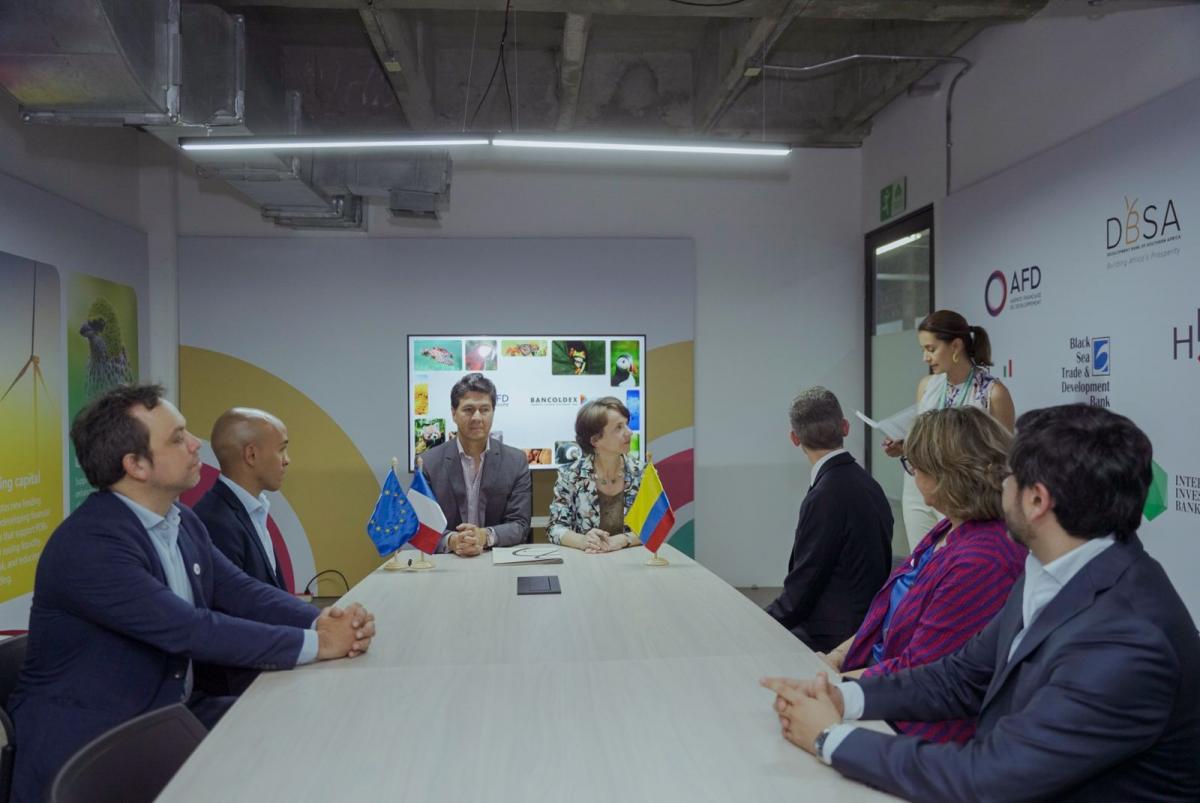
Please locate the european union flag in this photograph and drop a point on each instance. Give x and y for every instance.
(394, 520)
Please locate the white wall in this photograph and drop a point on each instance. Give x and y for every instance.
(779, 304)
(96, 168)
(1033, 85)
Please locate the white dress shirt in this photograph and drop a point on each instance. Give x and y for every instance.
(816, 469)
(257, 508)
(1042, 584)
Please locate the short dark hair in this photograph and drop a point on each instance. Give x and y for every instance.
(816, 418)
(592, 418)
(104, 432)
(1095, 463)
(471, 383)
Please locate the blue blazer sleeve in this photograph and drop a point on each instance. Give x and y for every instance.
(1109, 698)
(107, 579)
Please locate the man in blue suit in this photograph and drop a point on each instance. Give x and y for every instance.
(1084, 684)
(129, 591)
(252, 448)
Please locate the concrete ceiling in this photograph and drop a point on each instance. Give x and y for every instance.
(632, 67)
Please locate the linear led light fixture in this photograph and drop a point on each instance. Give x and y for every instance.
(295, 143)
(894, 244)
(713, 147)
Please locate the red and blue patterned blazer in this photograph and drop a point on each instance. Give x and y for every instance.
(959, 590)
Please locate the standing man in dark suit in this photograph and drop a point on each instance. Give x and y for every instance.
(1085, 682)
(482, 485)
(252, 448)
(130, 591)
(843, 549)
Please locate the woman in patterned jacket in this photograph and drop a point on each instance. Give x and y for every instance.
(592, 494)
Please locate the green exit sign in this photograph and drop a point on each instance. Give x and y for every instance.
(893, 198)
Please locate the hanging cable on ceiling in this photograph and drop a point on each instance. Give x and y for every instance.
(495, 69)
(470, 70)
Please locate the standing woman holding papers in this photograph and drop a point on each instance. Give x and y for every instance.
(593, 493)
(958, 356)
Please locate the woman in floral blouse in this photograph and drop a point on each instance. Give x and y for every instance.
(593, 493)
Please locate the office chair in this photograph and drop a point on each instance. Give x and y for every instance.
(132, 762)
(12, 655)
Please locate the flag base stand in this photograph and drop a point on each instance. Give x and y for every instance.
(397, 564)
(422, 565)
(655, 560)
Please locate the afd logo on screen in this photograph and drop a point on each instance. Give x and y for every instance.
(1186, 340)
(1021, 288)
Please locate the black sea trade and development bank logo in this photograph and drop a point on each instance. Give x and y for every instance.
(1086, 376)
(1021, 288)
(1144, 232)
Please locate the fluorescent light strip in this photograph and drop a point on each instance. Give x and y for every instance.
(644, 147)
(894, 244)
(251, 144)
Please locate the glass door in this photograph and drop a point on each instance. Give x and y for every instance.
(899, 260)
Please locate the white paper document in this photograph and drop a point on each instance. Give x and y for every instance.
(895, 426)
(528, 553)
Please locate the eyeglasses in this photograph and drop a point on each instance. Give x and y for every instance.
(908, 467)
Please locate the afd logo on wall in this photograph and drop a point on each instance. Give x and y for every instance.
(1144, 233)
(1018, 290)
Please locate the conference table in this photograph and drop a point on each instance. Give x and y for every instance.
(635, 683)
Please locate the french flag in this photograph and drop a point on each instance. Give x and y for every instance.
(429, 514)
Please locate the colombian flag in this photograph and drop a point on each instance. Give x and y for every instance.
(651, 516)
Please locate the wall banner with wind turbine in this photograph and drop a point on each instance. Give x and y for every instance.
(31, 419)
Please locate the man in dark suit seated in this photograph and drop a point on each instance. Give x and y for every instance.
(252, 448)
(843, 549)
(129, 591)
(1085, 682)
(482, 486)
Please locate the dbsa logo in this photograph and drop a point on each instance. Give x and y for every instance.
(1101, 357)
(1000, 288)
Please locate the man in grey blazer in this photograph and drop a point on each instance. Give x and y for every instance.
(1085, 684)
(482, 486)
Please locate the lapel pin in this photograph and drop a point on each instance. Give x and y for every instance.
(196, 569)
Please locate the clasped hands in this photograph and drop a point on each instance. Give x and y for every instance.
(344, 632)
(596, 541)
(467, 540)
(805, 708)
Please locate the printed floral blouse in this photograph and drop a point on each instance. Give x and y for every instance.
(576, 504)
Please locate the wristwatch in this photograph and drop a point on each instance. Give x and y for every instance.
(819, 744)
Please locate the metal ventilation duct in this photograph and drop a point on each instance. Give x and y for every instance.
(92, 61)
(181, 71)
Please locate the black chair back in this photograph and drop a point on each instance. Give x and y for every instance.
(132, 762)
(12, 656)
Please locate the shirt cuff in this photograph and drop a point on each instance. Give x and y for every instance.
(444, 545)
(837, 735)
(491, 539)
(308, 649)
(853, 700)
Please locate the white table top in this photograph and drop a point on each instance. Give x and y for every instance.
(636, 683)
